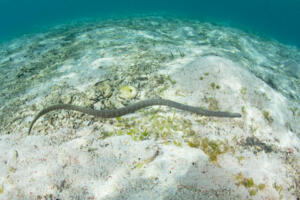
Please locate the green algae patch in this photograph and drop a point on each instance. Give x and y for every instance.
(240, 159)
(243, 109)
(213, 85)
(1, 188)
(267, 116)
(213, 104)
(118, 119)
(252, 192)
(212, 148)
(243, 91)
(203, 120)
(194, 142)
(164, 82)
(249, 184)
(152, 125)
(261, 186)
(168, 78)
(246, 182)
(279, 189)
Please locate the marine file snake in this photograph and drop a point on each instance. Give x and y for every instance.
(132, 108)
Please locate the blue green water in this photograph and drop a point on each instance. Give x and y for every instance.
(275, 19)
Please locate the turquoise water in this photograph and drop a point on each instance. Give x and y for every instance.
(276, 19)
(229, 56)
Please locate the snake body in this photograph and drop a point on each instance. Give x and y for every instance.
(132, 108)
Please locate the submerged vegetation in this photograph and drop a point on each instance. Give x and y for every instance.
(267, 116)
(170, 129)
(166, 128)
(243, 91)
(212, 148)
(249, 184)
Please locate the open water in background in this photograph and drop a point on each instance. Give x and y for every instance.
(276, 19)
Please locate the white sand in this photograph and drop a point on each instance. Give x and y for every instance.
(37, 167)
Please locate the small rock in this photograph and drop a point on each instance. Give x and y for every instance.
(104, 89)
(127, 92)
(67, 99)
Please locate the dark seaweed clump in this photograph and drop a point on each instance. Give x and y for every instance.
(257, 145)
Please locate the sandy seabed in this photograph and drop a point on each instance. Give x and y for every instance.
(157, 152)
